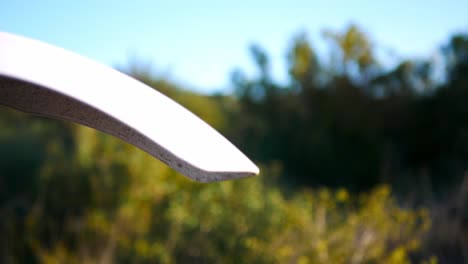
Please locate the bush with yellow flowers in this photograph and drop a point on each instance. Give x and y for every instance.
(80, 196)
(110, 202)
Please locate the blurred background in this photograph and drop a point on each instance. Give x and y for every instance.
(356, 113)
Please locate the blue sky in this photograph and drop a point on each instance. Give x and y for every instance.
(198, 43)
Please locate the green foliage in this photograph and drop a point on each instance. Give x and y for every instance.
(303, 62)
(104, 201)
(354, 53)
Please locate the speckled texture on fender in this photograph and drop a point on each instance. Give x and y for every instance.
(45, 80)
(32, 99)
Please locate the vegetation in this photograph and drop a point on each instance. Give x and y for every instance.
(360, 164)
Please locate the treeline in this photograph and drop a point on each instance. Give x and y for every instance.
(349, 121)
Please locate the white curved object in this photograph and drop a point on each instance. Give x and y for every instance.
(42, 79)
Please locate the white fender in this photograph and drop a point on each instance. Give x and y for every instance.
(42, 79)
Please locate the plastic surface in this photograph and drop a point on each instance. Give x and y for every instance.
(42, 79)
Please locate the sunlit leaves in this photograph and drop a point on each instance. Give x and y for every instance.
(353, 48)
(303, 62)
(134, 208)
